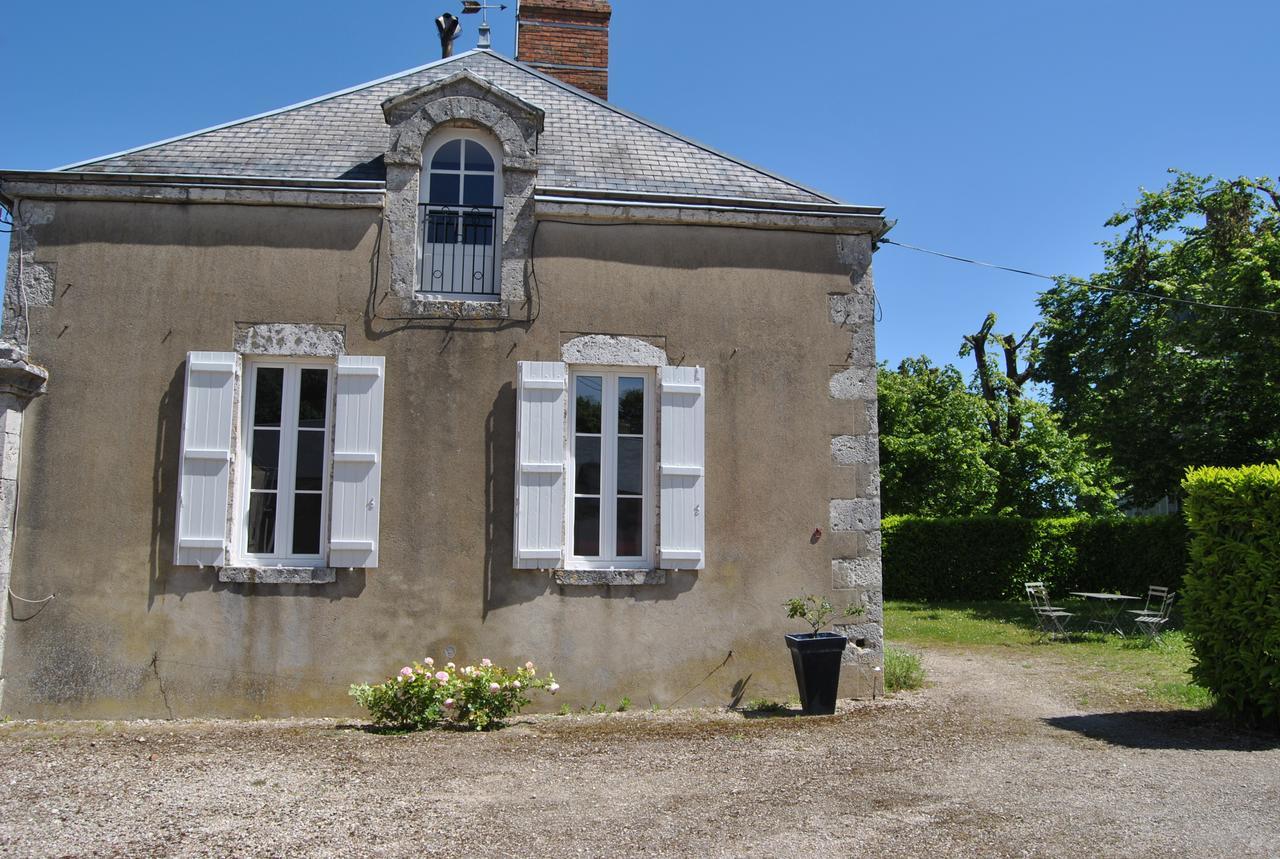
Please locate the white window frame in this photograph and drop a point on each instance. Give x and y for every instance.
(424, 196)
(288, 461)
(608, 470)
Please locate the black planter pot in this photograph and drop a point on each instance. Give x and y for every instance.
(817, 662)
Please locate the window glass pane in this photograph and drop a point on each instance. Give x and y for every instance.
(310, 461)
(262, 523)
(630, 527)
(588, 404)
(448, 157)
(630, 466)
(442, 228)
(587, 460)
(477, 229)
(264, 472)
(586, 527)
(478, 158)
(306, 523)
(444, 189)
(630, 405)
(313, 398)
(268, 388)
(477, 191)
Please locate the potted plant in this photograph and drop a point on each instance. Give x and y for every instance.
(816, 655)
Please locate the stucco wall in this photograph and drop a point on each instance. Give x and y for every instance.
(138, 285)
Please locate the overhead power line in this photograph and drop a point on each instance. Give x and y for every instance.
(1088, 284)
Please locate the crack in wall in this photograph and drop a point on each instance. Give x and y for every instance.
(164, 693)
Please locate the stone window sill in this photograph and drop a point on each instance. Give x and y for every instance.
(278, 575)
(438, 308)
(610, 577)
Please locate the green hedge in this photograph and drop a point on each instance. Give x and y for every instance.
(1232, 590)
(989, 557)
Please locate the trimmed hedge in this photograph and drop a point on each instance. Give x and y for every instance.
(1232, 590)
(990, 557)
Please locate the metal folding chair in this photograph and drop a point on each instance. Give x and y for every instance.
(1051, 619)
(1152, 624)
(1155, 598)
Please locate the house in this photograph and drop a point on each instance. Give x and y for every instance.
(464, 362)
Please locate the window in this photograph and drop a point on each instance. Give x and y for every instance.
(286, 473)
(611, 447)
(460, 218)
(301, 456)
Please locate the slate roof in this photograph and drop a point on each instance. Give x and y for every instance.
(587, 142)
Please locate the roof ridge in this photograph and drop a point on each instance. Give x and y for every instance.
(656, 127)
(277, 111)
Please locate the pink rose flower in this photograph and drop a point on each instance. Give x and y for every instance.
(529, 665)
(494, 687)
(448, 703)
(406, 671)
(486, 663)
(441, 676)
(429, 661)
(553, 688)
(516, 683)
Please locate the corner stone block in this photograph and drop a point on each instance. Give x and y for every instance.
(854, 450)
(855, 514)
(861, 572)
(854, 383)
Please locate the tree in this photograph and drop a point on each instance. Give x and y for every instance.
(1158, 386)
(947, 449)
(932, 443)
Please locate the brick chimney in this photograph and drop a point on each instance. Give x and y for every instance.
(568, 39)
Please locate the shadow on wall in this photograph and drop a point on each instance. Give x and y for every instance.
(166, 578)
(691, 248)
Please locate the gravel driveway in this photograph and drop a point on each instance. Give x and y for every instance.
(990, 760)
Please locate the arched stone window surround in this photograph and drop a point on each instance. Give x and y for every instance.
(461, 102)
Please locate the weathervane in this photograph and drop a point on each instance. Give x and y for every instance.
(471, 7)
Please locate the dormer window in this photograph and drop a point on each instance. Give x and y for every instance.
(460, 218)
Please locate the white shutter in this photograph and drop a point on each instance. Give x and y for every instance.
(541, 416)
(682, 504)
(204, 478)
(357, 462)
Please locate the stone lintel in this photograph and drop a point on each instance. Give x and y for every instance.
(290, 338)
(610, 350)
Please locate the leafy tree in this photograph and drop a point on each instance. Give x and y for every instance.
(932, 443)
(1159, 386)
(951, 449)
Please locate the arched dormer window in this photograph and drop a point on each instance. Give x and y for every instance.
(460, 218)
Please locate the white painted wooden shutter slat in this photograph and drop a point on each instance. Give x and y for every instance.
(682, 481)
(541, 415)
(357, 462)
(204, 474)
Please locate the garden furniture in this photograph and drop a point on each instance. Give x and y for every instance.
(1051, 619)
(1111, 606)
(1152, 624)
(1155, 598)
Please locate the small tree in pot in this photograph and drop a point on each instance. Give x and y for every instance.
(816, 655)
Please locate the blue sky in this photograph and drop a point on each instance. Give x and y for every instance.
(1004, 131)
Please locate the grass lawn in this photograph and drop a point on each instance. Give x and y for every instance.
(1108, 670)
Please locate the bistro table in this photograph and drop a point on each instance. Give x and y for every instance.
(1113, 603)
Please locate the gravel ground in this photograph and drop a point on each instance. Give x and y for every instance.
(992, 759)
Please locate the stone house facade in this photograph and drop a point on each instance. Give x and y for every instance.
(462, 362)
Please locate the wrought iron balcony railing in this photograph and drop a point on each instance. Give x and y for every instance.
(458, 250)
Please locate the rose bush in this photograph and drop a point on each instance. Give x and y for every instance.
(424, 695)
